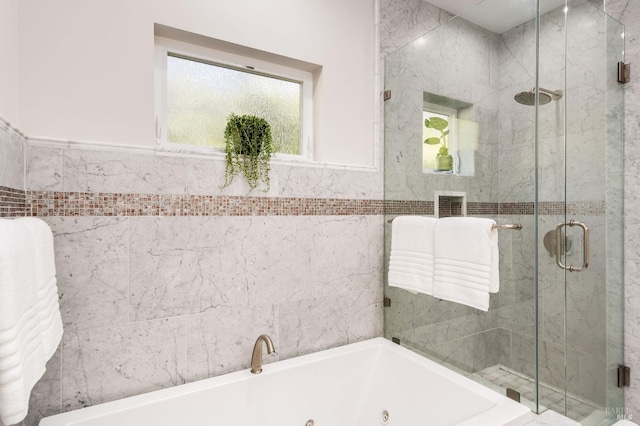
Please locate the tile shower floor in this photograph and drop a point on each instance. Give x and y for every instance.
(550, 397)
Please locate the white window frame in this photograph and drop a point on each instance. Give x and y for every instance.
(165, 46)
(453, 131)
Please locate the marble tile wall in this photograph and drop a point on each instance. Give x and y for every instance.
(402, 21)
(84, 170)
(11, 157)
(151, 301)
(628, 13)
(457, 60)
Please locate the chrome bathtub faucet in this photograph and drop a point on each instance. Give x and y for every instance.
(256, 358)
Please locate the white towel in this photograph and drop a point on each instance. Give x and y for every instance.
(47, 291)
(466, 261)
(30, 324)
(411, 260)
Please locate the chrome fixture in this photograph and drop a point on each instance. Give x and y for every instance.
(545, 96)
(256, 358)
(551, 246)
(559, 239)
(624, 73)
(515, 226)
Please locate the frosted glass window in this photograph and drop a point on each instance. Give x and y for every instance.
(200, 97)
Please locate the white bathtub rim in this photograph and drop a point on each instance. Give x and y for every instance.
(507, 408)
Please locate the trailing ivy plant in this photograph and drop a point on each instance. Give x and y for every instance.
(249, 146)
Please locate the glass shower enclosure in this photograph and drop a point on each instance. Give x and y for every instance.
(535, 132)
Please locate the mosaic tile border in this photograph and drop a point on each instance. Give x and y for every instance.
(547, 208)
(45, 203)
(15, 202)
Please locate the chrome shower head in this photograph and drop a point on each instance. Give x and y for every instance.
(545, 96)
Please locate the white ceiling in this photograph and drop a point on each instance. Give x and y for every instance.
(497, 16)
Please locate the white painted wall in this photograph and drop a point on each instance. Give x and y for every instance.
(9, 60)
(87, 66)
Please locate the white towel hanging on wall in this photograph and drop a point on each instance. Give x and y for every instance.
(30, 322)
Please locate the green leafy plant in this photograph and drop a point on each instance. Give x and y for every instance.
(439, 124)
(249, 146)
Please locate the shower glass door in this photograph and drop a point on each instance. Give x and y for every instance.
(535, 114)
(579, 203)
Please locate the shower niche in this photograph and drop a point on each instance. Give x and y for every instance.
(459, 138)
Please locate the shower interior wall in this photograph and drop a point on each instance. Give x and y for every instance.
(462, 61)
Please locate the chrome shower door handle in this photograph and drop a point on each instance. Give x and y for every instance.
(585, 262)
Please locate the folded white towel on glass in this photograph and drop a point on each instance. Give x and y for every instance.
(411, 259)
(466, 261)
(30, 323)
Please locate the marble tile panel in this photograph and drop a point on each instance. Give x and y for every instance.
(365, 315)
(324, 182)
(221, 340)
(44, 168)
(46, 395)
(313, 325)
(504, 346)
(614, 212)
(487, 348)
(403, 112)
(458, 353)
(552, 362)
(205, 176)
(615, 357)
(553, 370)
(518, 56)
(92, 262)
(416, 318)
(109, 363)
(518, 317)
(615, 300)
(625, 11)
(277, 260)
(586, 174)
(11, 159)
(551, 169)
(593, 378)
(110, 171)
(345, 254)
(631, 218)
(469, 353)
(405, 20)
(632, 394)
(631, 303)
(523, 354)
(426, 322)
(515, 162)
(187, 265)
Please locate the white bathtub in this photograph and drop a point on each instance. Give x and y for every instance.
(347, 386)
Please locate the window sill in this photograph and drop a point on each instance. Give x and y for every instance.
(277, 159)
(439, 172)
